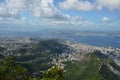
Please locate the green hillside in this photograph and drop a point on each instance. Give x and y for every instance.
(93, 68)
(36, 61)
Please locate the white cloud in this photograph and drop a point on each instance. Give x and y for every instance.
(110, 4)
(86, 5)
(80, 21)
(74, 20)
(110, 22)
(61, 22)
(12, 8)
(45, 12)
(76, 5)
(106, 20)
(42, 9)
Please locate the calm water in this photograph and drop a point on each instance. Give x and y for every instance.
(98, 40)
(90, 40)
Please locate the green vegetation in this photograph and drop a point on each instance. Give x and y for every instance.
(34, 63)
(2, 49)
(22, 51)
(54, 73)
(107, 74)
(100, 55)
(93, 68)
(87, 70)
(113, 64)
(10, 70)
(1, 56)
(52, 46)
(38, 56)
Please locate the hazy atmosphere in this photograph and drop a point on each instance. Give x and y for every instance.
(59, 39)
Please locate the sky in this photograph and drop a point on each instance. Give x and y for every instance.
(89, 14)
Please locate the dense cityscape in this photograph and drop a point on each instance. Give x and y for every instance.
(21, 47)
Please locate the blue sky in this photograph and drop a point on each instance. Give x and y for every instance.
(65, 13)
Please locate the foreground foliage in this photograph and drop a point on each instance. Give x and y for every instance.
(10, 70)
(54, 73)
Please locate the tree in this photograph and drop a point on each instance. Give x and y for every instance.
(10, 70)
(54, 73)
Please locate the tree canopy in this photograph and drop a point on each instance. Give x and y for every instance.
(10, 70)
(54, 73)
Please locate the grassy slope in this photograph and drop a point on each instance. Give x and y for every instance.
(107, 74)
(90, 70)
(87, 70)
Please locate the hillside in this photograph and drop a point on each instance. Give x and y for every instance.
(76, 62)
(93, 67)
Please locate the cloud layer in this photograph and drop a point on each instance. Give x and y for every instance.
(87, 5)
(76, 4)
(106, 20)
(38, 8)
(12, 11)
(45, 12)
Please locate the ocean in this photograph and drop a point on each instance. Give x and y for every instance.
(104, 41)
(95, 40)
